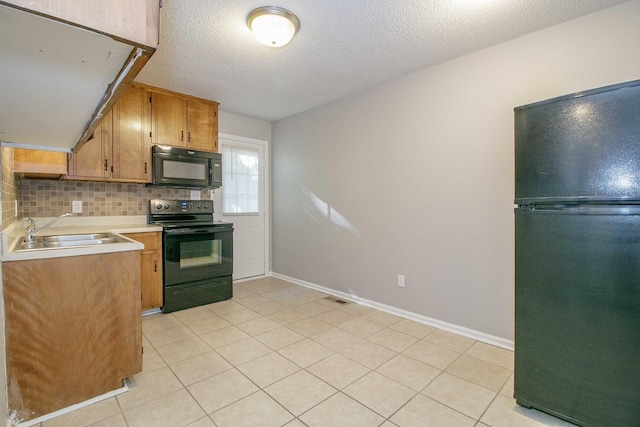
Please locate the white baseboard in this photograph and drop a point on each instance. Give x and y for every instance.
(108, 395)
(456, 329)
(246, 279)
(151, 311)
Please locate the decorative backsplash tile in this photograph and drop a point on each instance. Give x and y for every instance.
(47, 198)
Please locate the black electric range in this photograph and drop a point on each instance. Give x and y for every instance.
(197, 253)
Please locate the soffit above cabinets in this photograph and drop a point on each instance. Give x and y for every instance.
(56, 79)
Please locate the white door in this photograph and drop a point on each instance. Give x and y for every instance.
(241, 200)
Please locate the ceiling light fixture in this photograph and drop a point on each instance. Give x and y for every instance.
(272, 25)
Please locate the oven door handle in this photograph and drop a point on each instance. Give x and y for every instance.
(192, 230)
(192, 288)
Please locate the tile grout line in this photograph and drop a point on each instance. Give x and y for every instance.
(233, 366)
(333, 352)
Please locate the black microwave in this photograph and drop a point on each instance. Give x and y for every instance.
(184, 168)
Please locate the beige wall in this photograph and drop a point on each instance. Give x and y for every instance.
(248, 127)
(415, 177)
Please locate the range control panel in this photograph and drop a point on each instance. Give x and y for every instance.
(161, 206)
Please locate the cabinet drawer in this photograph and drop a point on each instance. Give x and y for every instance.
(197, 293)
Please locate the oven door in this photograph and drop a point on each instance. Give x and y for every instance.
(197, 253)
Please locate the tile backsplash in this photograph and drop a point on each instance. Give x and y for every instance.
(48, 198)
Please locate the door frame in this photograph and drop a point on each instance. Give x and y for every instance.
(266, 150)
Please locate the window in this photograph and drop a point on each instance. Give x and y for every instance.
(240, 180)
(199, 253)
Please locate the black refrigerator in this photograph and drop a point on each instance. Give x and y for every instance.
(577, 256)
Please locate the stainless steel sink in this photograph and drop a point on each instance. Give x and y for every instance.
(70, 241)
(76, 239)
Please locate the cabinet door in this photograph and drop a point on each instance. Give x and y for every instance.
(75, 340)
(131, 148)
(149, 272)
(150, 268)
(93, 159)
(168, 119)
(202, 125)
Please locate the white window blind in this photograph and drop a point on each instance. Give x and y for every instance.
(240, 180)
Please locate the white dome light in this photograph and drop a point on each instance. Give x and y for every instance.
(273, 26)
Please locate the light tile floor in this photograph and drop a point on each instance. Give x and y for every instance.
(279, 354)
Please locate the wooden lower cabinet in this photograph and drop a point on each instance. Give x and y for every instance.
(150, 268)
(73, 329)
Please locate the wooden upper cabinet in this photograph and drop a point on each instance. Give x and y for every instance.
(39, 164)
(202, 125)
(131, 148)
(137, 21)
(120, 149)
(183, 121)
(93, 160)
(167, 119)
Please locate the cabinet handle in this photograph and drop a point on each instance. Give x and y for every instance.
(181, 135)
(106, 166)
(145, 167)
(188, 136)
(155, 266)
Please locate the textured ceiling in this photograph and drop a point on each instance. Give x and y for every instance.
(343, 46)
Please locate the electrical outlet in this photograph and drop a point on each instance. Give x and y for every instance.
(195, 194)
(76, 206)
(401, 280)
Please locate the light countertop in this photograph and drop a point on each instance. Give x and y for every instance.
(76, 225)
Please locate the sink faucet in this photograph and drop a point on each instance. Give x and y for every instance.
(30, 231)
